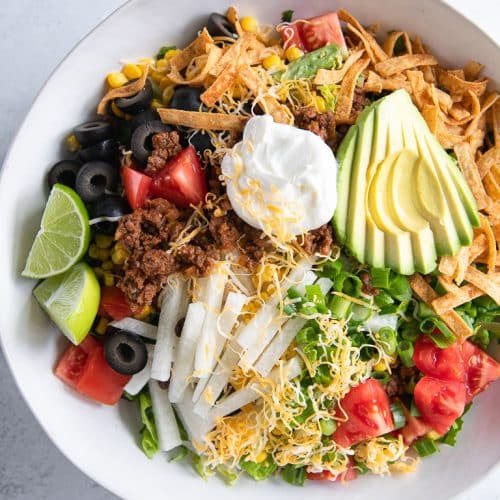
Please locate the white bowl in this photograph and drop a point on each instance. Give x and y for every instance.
(100, 440)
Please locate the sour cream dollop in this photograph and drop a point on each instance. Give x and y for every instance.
(281, 179)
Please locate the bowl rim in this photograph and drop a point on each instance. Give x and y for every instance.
(102, 480)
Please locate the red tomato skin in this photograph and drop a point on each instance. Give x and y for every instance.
(182, 180)
(480, 369)
(290, 34)
(414, 427)
(368, 411)
(316, 32)
(72, 363)
(444, 364)
(349, 474)
(440, 402)
(114, 304)
(99, 381)
(136, 187)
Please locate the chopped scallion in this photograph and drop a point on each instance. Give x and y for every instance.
(425, 447)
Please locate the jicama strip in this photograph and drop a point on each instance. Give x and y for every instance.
(250, 393)
(166, 425)
(135, 326)
(257, 334)
(225, 323)
(140, 379)
(217, 381)
(196, 426)
(173, 309)
(212, 300)
(377, 321)
(283, 339)
(186, 350)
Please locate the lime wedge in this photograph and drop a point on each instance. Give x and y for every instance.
(71, 300)
(63, 237)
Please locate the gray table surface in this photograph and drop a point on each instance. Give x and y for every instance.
(34, 36)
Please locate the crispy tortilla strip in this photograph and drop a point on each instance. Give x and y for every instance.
(468, 166)
(330, 76)
(456, 298)
(447, 265)
(429, 72)
(391, 40)
(444, 100)
(196, 48)
(479, 245)
(431, 114)
(347, 87)
(484, 283)
(201, 120)
(426, 294)
(367, 38)
(420, 89)
(399, 64)
(472, 70)
(196, 78)
(488, 161)
(127, 90)
(221, 85)
(458, 86)
(490, 239)
(495, 121)
(462, 263)
(447, 283)
(475, 123)
(459, 113)
(236, 53)
(492, 186)
(373, 82)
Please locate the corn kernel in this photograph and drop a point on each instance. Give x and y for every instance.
(167, 95)
(260, 457)
(293, 53)
(271, 62)
(109, 279)
(118, 246)
(172, 53)
(94, 251)
(98, 272)
(433, 435)
(132, 71)
(165, 82)
(320, 104)
(117, 111)
(380, 367)
(103, 240)
(156, 76)
(108, 265)
(146, 60)
(162, 65)
(156, 103)
(249, 24)
(103, 254)
(119, 256)
(72, 143)
(144, 312)
(116, 80)
(101, 326)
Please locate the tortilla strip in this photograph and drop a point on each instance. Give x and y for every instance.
(373, 82)
(447, 284)
(492, 186)
(398, 64)
(459, 86)
(420, 89)
(495, 121)
(487, 161)
(472, 70)
(368, 39)
(456, 298)
(202, 120)
(213, 56)
(234, 53)
(426, 294)
(484, 283)
(346, 94)
(462, 263)
(127, 90)
(459, 113)
(429, 72)
(468, 166)
(431, 112)
(479, 245)
(222, 84)
(490, 239)
(447, 265)
(330, 76)
(391, 40)
(488, 102)
(196, 48)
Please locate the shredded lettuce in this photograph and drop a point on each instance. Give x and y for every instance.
(259, 471)
(450, 438)
(293, 474)
(286, 16)
(149, 436)
(330, 94)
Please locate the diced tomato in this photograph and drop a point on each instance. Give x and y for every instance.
(182, 180)
(440, 402)
(72, 363)
(368, 413)
(444, 364)
(349, 474)
(480, 369)
(414, 427)
(114, 304)
(136, 187)
(99, 381)
(291, 36)
(323, 30)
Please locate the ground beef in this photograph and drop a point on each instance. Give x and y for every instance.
(165, 146)
(359, 102)
(322, 124)
(367, 287)
(393, 386)
(319, 241)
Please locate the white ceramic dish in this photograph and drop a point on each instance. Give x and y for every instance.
(101, 440)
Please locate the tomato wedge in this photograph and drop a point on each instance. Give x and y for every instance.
(444, 364)
(349, 474)
(368, 413)
(319, 31)
(114, 304)
(85, 369)
(414, 427)
(136, 187)
(440, 402)
(480, 369)
(182, 180)
(291, 36)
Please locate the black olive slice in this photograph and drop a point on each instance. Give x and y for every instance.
(219, 25)
(92, 132)
(186, 98)
(133, 104)
(141, 142)
(63, 172)
(110, 206)
(94, 179)
(125, 352)
(201, 141)
(105, 151)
